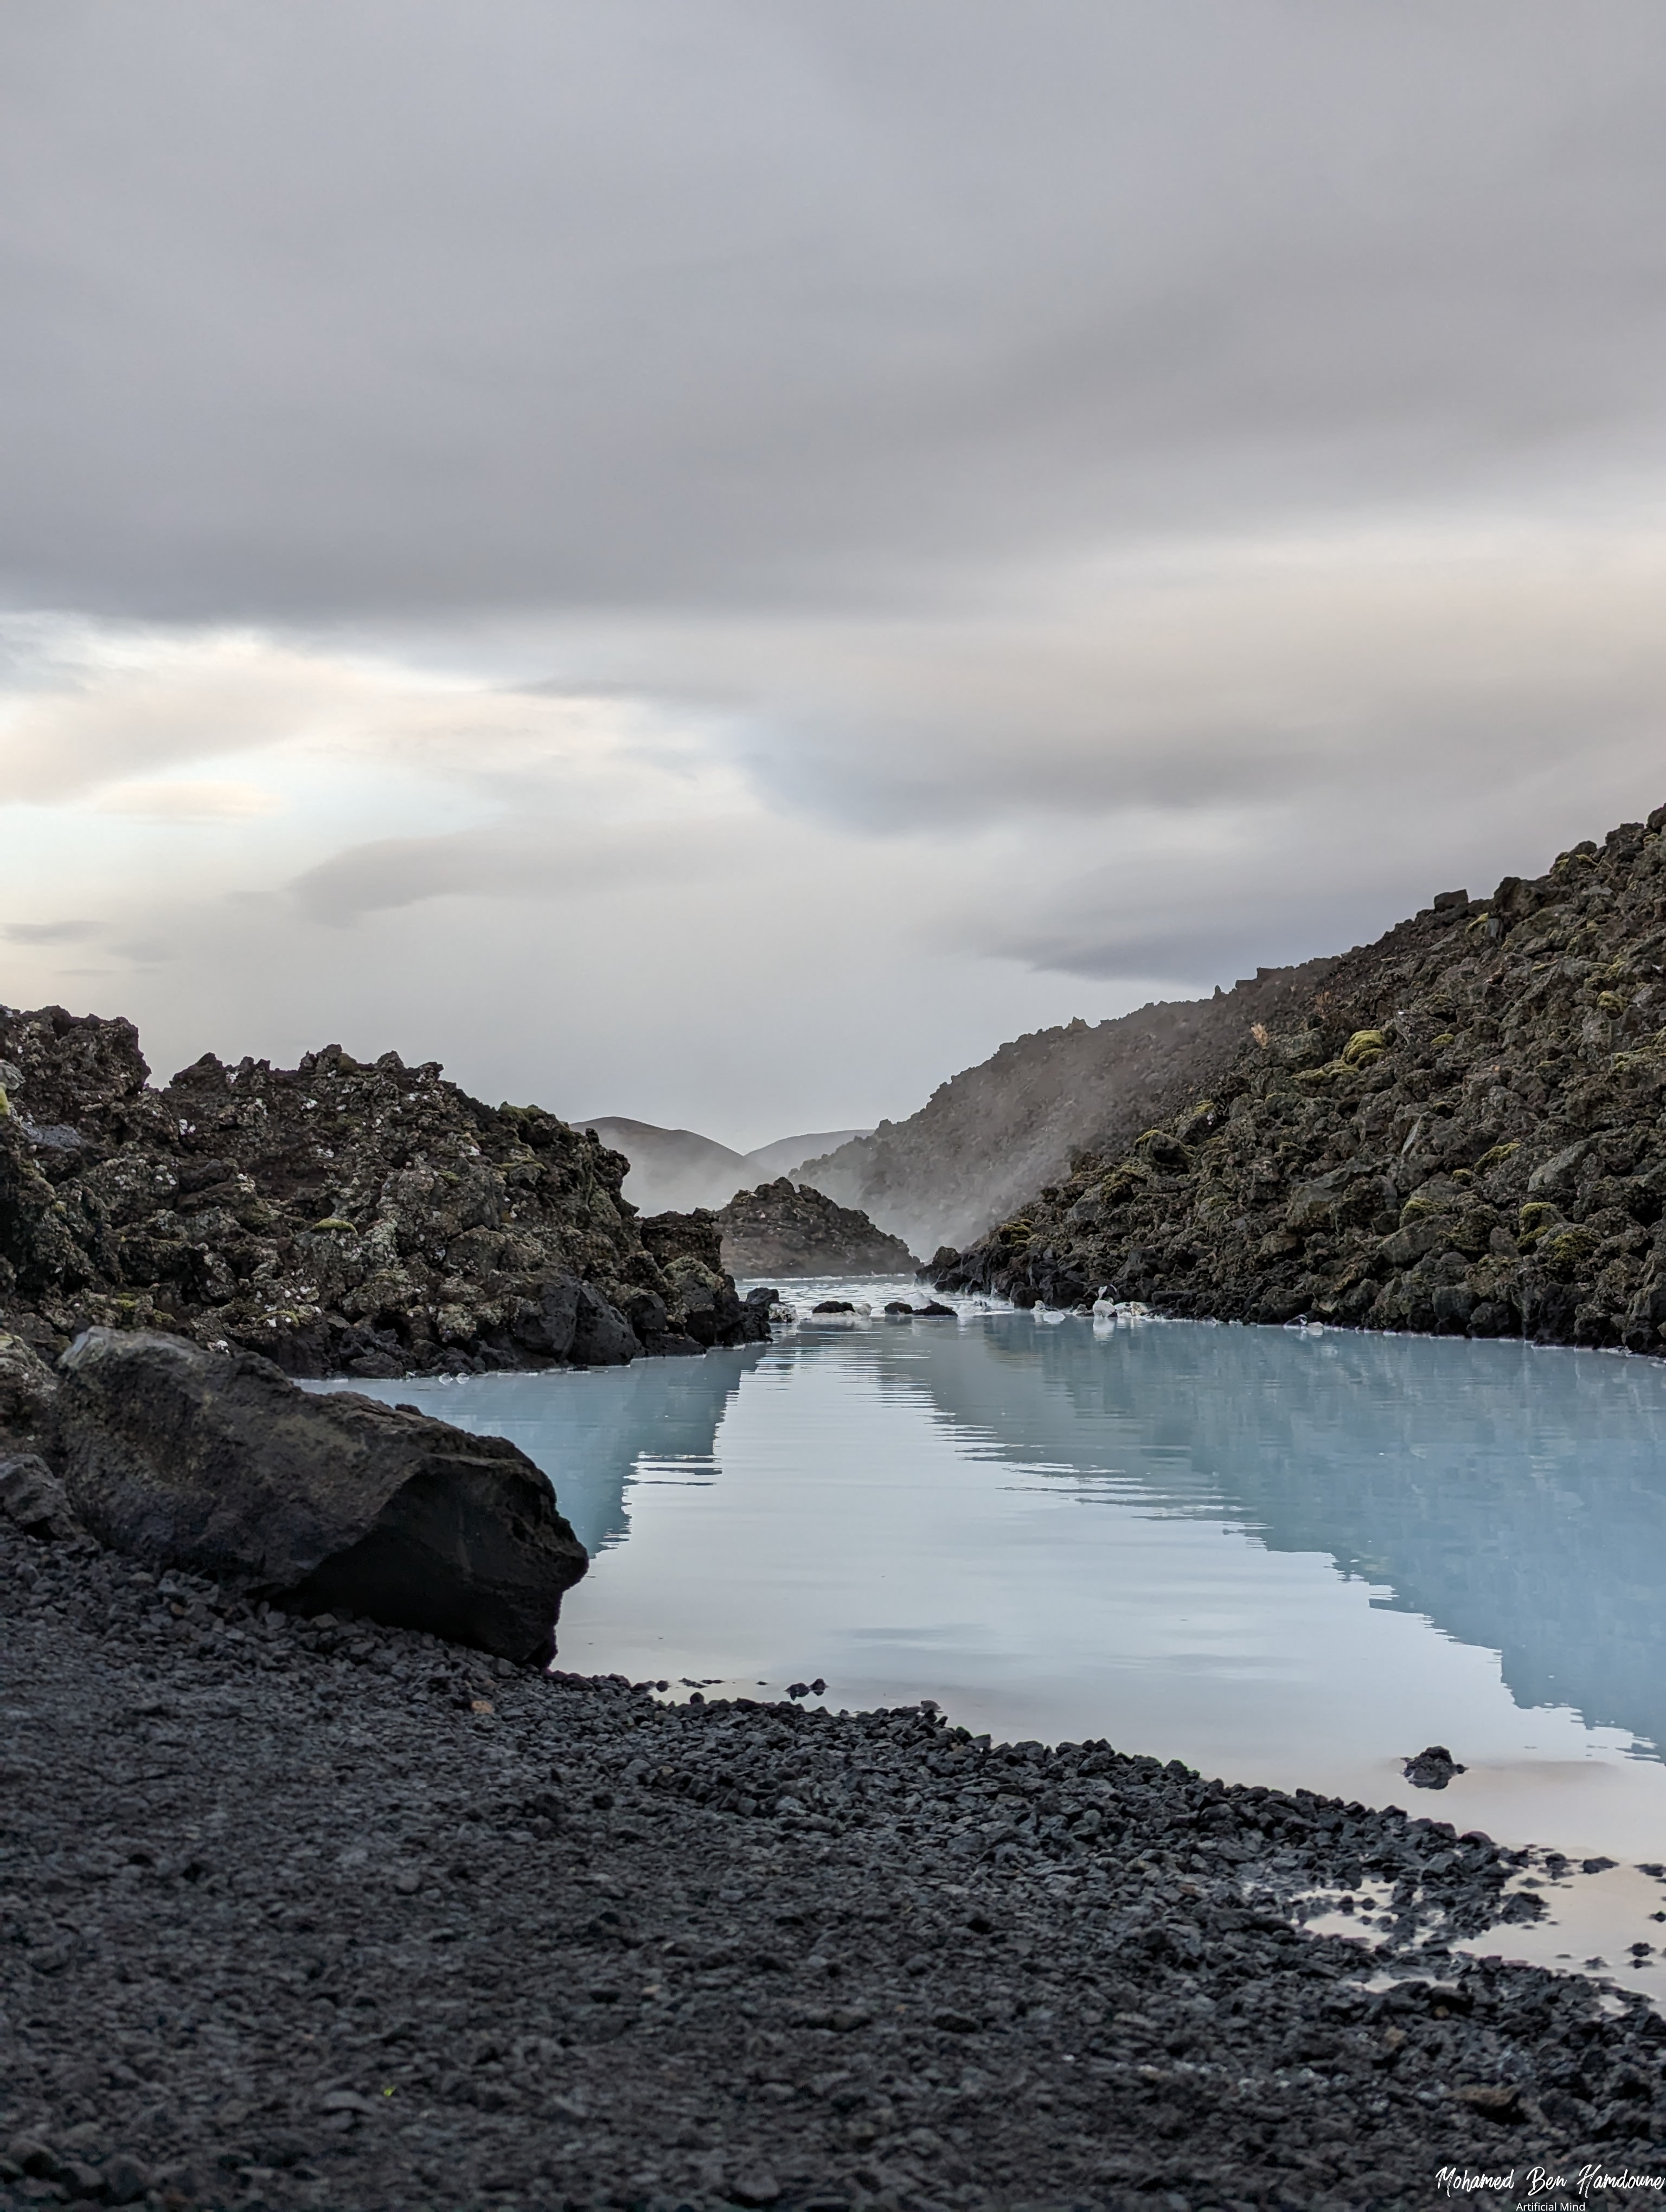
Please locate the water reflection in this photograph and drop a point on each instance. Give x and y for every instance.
(1516, 1497)
(595, 1433)
(1282, 1556)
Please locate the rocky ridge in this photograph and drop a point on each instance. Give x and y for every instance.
(784, 1228)
(312, 1915)
(338, 1217)
(990, 1138)
(1459, 1130)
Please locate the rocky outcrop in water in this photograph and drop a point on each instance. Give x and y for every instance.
(784, 1228)
(690, 1248)
(990, 1138)
(186, 1458)
(1459, 1130)
(338, 1218)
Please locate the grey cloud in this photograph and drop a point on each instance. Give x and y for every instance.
(365, 306)
(793, 367)
(48, 932)
(147, 952)
(1289, 884)
(551, 861)
(1187, 944)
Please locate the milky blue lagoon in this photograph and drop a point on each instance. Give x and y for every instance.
(1283, 1556)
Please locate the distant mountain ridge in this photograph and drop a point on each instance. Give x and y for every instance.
(985, 1140)
(674, 1170)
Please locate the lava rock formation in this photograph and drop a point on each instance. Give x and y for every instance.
(337, 1218)
(785, 1228)
(1460, 1132)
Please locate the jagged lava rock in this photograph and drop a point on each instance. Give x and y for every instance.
(690, 1248)
(338, 1218)
(28, 1389)
(784, 1228)
(1459, 1132)
(221, 1464)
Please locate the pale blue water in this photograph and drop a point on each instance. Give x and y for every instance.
(1281, 1556)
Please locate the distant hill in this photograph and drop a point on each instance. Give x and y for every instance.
(788, 1154)
(672, 1170)
(986, 1140)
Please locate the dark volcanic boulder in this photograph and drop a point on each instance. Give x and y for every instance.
(571, 1320)
(689, 1247)
(187, 1458)
(785, 1228)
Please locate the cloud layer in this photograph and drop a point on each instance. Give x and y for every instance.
(720, 566)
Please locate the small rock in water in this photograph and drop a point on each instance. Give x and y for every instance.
(834, 1305)
(1521, 1906)
(1432, 1768)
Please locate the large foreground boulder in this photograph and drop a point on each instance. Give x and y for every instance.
(189, 1458)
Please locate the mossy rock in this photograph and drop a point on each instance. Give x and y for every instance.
(1496, 1157)
(1581, 856)
(1122, 1184)
(1642, 1059)
(1566, 1253)
(1364, 1046)
(1163, 1148)
(1196, 1122)
(1418, 1209)
(333, 1221)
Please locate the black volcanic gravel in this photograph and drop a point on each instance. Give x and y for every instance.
(288, 1918)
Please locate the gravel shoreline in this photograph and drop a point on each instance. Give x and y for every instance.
(289, 1918)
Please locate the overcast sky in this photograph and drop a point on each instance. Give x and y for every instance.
(711, 560)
